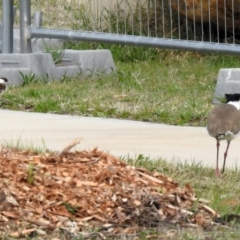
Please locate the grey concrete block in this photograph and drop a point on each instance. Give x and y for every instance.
(90, 61)
(228, 82)
(74, 63)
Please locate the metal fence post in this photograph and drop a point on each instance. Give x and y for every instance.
(25, 25)
(37, 19)
(7, 26)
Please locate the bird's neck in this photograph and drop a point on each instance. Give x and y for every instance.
(236, 104)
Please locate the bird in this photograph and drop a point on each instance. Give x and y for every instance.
(3, 84)
(223, 123)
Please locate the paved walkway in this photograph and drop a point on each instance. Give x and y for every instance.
(119, 137)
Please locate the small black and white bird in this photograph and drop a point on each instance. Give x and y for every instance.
(223, 123)
(3, 85)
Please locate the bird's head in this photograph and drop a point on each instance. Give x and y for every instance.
(3, 84)
(235, 97)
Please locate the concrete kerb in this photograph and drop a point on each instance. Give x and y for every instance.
(73, 62)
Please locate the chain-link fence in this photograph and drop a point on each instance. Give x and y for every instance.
(204, 25)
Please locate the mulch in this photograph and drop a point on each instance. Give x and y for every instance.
(75, 191)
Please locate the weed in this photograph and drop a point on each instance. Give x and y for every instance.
(28, 78)
(31, 174)
(27, 145)
(71, 209)
(55, 51)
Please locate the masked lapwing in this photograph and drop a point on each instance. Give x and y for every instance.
(3, 84)
(224, 123)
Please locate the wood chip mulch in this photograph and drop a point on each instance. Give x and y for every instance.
(73, 191)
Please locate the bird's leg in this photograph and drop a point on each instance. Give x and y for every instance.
(225, 155)
(217, 169)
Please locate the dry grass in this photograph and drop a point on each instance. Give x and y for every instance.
(141, 18)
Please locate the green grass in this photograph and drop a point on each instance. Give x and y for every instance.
(172, 87)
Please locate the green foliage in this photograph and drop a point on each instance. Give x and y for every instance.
(31, 175)
(70, 208)
(122, 53)
(28, 78)
(55, 51)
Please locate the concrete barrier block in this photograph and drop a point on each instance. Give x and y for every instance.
(228, 81)
(74, 63)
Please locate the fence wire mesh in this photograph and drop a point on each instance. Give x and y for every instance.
(197, 25)
(197, 20)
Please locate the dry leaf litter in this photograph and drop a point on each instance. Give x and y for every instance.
(75, 190)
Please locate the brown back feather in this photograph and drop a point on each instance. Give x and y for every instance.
(223, 118)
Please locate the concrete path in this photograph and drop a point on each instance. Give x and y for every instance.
(119, 137)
